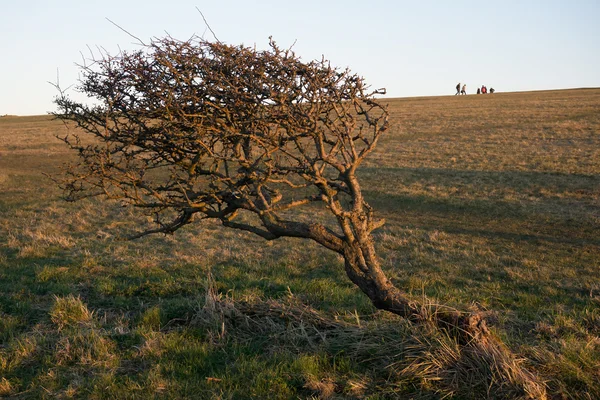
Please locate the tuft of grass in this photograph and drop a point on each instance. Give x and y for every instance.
(70, 312)
(84, 347)
(150, 319)
(6, 388)
(8, 327)
(451, 369)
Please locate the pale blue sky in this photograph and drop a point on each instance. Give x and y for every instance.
(412, 48)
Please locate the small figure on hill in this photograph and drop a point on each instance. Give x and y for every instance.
(478, 91)
(483, 89)
(492, 90)
(457, 88)
(464, 89)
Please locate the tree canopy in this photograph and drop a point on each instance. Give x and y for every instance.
(199, 128)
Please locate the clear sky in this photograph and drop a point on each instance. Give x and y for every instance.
(413, 48)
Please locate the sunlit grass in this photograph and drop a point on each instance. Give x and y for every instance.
(492, 202)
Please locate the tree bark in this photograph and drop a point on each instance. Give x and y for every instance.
(364, 270)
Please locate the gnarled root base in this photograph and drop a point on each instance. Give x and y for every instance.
(470, 330)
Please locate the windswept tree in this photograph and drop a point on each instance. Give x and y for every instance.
(192, 130)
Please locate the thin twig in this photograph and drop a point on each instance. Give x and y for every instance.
(208, 26)
(127, 32)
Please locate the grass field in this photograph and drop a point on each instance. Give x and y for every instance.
(492, 202)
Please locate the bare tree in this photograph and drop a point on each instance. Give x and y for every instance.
(197, 129)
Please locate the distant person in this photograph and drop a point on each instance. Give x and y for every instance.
(478, 90)
(458, 88)
(492, 90)
(483, 89)
(464, 89)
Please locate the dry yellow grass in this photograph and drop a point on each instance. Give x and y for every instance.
(492, 202)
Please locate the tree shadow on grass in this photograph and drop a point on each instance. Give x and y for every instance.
(20, 286)
(542, 218)
(324, 285)
(496, 179)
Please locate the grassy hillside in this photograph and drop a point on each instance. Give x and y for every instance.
(492, 202)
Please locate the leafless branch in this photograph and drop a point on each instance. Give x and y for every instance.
(208, 26)
(140, 41)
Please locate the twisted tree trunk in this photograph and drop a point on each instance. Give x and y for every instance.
(364, 270)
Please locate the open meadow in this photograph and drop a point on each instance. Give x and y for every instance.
(492, 203)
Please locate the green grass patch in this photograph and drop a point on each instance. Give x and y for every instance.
(491, 202)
